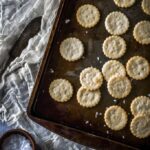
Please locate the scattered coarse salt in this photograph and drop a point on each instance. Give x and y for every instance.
(100, 62)
(107, 132)
(96, 114)
(67, 21)
(87, 122)
(98, 58)
(51, 70)
(100, 114)
(124, 101)
(86, 32)
(90, 124)
(123, 137)
(115, 101)
(148, 95)
(104, 125)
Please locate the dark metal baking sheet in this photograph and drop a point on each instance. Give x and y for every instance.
(71, 114)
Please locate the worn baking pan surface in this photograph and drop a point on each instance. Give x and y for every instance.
(71, 114)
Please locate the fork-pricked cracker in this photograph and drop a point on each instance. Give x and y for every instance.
(111, 68)
(115, 117)
(88, 15)
(91, 78)
(71, 49)
(116, 23)
(138, 67)
(124, 3)
(87, 98)
(140, 126)
(61, 90)
(140, 105)
(146, 6)
(119, 86)
(141, 32)
(114, 47)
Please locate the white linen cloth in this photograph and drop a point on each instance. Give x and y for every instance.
(18, 79)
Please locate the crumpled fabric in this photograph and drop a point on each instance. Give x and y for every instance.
(17, 81)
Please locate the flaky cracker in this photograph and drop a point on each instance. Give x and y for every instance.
(91, 78)
(115, 117)
(61, 90)
(87, 98)
(114, 47)
(116, 23)
(138, 67)
(119, 86)
(140, 126)
(140, 105)
(146, 6)
(71, 49)
(111, 68)
(141, 32)
(124, 3)
(88, 15)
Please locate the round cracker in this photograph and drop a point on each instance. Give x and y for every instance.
(116, 23)
(140, 126)
(115, 117)
(140, 105)
(87, 98)
(146, 6)
(88, 15)
(141, 32)
(111, 68)
(119, 86)
(138, 67)
(114, 47)
(91, 78)
(71, 49)
(61, 90)
(124, 3)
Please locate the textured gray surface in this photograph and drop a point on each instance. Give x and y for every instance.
(18, 79)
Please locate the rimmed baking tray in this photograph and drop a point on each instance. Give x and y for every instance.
(69, 119)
